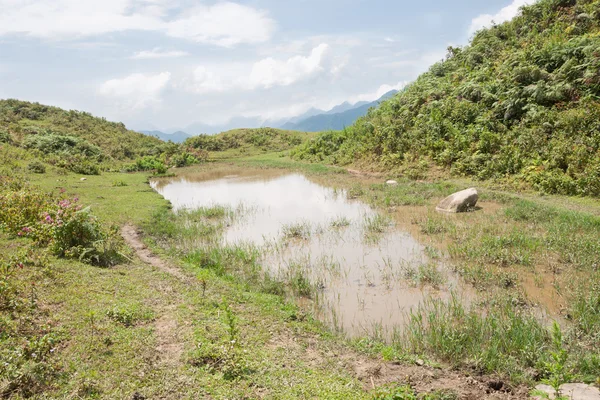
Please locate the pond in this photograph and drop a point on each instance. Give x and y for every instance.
(367, 273)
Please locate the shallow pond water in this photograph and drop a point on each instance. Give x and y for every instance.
(366, 273)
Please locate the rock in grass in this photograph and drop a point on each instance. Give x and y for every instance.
(459, 202)
(572, 391)
(391, 183)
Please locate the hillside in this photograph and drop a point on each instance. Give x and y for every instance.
(248, 141)
(338, 118)
(79, 142)
(521, 102)
(21, 119)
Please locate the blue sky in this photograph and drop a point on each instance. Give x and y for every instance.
(167, 64)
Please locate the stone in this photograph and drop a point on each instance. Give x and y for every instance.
(83, 179)
(572, 391)
(392, 182)
(459, 202)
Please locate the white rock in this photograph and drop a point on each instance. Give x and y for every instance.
(83, 179)
(572, 391)
(459, 202)
(392, 182)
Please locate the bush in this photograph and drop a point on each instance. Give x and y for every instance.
(61, 224)
(36, 167)
(147, 163)
(183, 160)
(5, 136)
(53, 143)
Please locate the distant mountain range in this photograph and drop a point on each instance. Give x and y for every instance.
(313, 120)
(177, 137)
(337, 118)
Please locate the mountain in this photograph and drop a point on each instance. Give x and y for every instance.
(521, 103)
(176, 137)
(345, 106)
(337, 118)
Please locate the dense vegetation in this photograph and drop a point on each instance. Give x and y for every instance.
(521, 102)
(248, 140)
(81, 143)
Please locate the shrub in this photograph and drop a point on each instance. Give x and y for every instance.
(5, 136)
(61, 224)
(36, 167)
(147, 163)
(53, 143)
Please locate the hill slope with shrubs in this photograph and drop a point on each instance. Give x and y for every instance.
(520, 103)
(248, 141)
(80, 142)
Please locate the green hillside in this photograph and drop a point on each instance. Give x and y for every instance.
(22, 119)
(79, 142)
(247, 141)
(521, 103)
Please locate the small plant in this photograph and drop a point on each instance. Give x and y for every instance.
(425, 274)
(129, 315)
(558, 374)
(403, 392)
(429, 273)
(376, 223)
(119, 183)
(301, 285)
(340, 222)
(299, 230)
(232, 328)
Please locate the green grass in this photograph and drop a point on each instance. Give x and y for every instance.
(102, 323)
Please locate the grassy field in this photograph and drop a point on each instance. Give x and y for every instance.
(227, 330)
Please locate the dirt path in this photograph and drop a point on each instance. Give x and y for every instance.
(169, 344)
(132, 237)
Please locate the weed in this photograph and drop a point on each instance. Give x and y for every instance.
(340, 222)
(119, 183)
(502, 339)
(129, 315)
(428, 273)
(300, 230)
(392, 392)
(232, 328)
(556, 369)
(376, 224)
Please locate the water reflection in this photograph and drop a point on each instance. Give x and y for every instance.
(366, 280)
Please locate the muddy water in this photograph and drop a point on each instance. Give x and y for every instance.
(364, 281)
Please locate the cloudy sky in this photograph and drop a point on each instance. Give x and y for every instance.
(166, 64)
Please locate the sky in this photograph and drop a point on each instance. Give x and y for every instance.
(164, 64)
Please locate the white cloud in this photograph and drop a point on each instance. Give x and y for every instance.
(265, 74)
(270, 72)
(383, 89)
(223, 24)
(505, 14)
(136, 91)
(158, 53)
